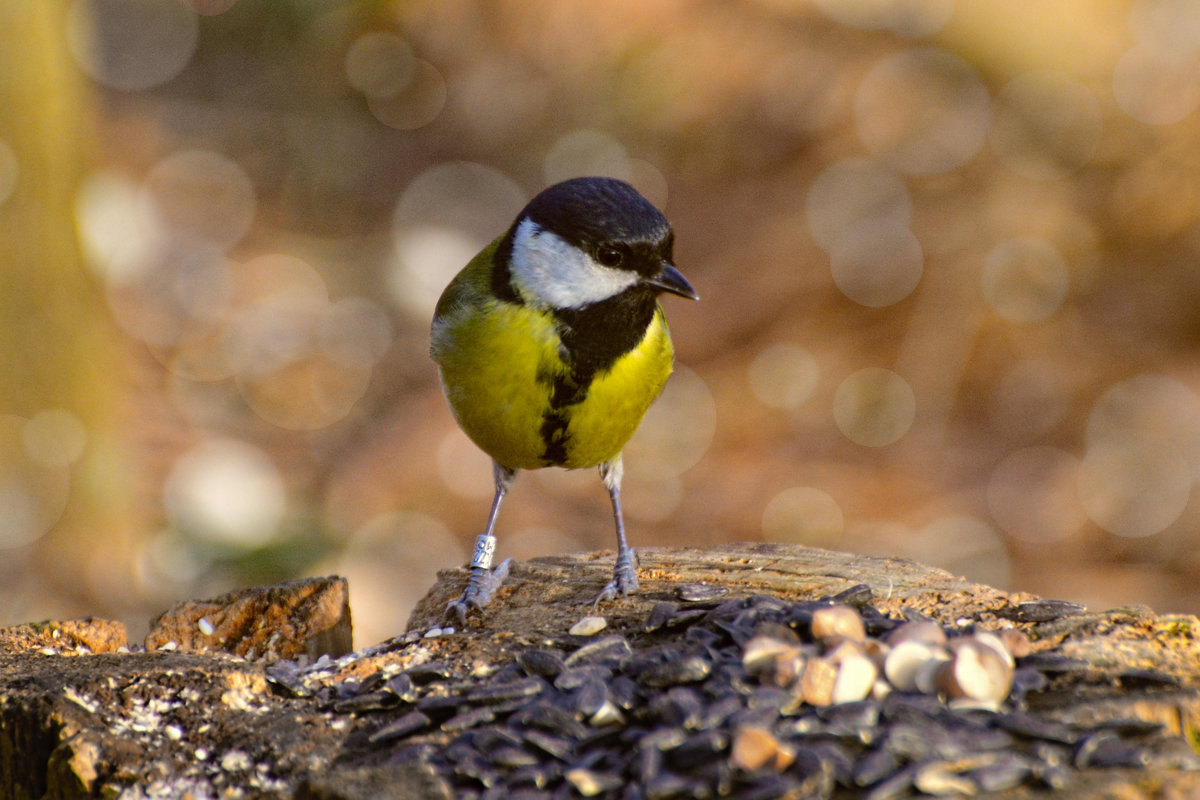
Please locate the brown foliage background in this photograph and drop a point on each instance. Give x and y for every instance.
(945, 254)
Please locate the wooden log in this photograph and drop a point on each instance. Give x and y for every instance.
(212, 723)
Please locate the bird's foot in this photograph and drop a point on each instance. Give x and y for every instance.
(624, 581)
(481, 587)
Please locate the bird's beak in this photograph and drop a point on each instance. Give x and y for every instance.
(671, 280)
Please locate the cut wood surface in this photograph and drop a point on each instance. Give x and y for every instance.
(1103, 703)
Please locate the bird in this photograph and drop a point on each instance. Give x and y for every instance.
(551, 345)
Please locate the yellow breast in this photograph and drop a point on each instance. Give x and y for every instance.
(499, 362)
(600, 426)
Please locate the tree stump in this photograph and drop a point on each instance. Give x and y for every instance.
(684, 689)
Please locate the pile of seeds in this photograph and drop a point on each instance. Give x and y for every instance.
(752, 698)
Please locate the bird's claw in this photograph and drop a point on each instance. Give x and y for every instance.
(481, 588)
(624, 581)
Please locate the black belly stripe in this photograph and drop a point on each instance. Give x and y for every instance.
(593, 338)
(566, 391)
(554, 437)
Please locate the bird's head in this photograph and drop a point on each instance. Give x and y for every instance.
(589, 239)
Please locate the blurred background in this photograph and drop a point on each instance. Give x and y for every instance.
(946, 254)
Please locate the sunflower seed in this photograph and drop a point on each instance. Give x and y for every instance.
(590, 783)
(550, 718)
(1032, 727)
(576, 677)
(536, 777)
(858, 595)
(403, 687)
(559, 747)
(541, 663)
(659, 615)
(941, 778)
(469, 719)
(400, 727)
(428, 672)
(606, 714)
(623, 692)
(588, 626)
(1105, 749)
(899, 783)
(664, 738)
(1046, 610)
(511, 690)
(373, 701)
(591, 696)
(874, 766)
(699, 592)
(700, 747)
(689, 669)
(1054, 664)
(666, 786)
(1146, 678)
(1006, 772)
(609, 651)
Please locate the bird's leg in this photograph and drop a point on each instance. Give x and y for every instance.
(624, 580)
(484, 581)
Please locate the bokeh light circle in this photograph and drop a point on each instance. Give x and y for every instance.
(650, 182)
(427, 259)
(874, 407)
(1132, 486)
(1156, 408)
(651, 494)
(227, 492)
(963, 545)
(1157, 87)
(418, 104)
(54, 438)
(181, 297)
(876, 264)
(121, 236)
(443, 218)
(305, 395)
(1024, 279)
(803, 515)
(463, 467)
(201, 198)
(390, 563)
(783, 375)
(354, 331)
(478, 200)
(924, 111)
(277, 329)
(168, 560)
(131, 44)
(1030, 399)
(1032, 497)
(851, 191)
(1048, 124)
(300, 361)
(34, 480)
(380, 64)
(1168, 26)
(678, 429)
(587, 152)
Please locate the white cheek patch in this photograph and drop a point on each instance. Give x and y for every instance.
(559, 274)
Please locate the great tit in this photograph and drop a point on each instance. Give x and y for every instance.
(551, 345)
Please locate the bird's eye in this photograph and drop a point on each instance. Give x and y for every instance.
(610, 256)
